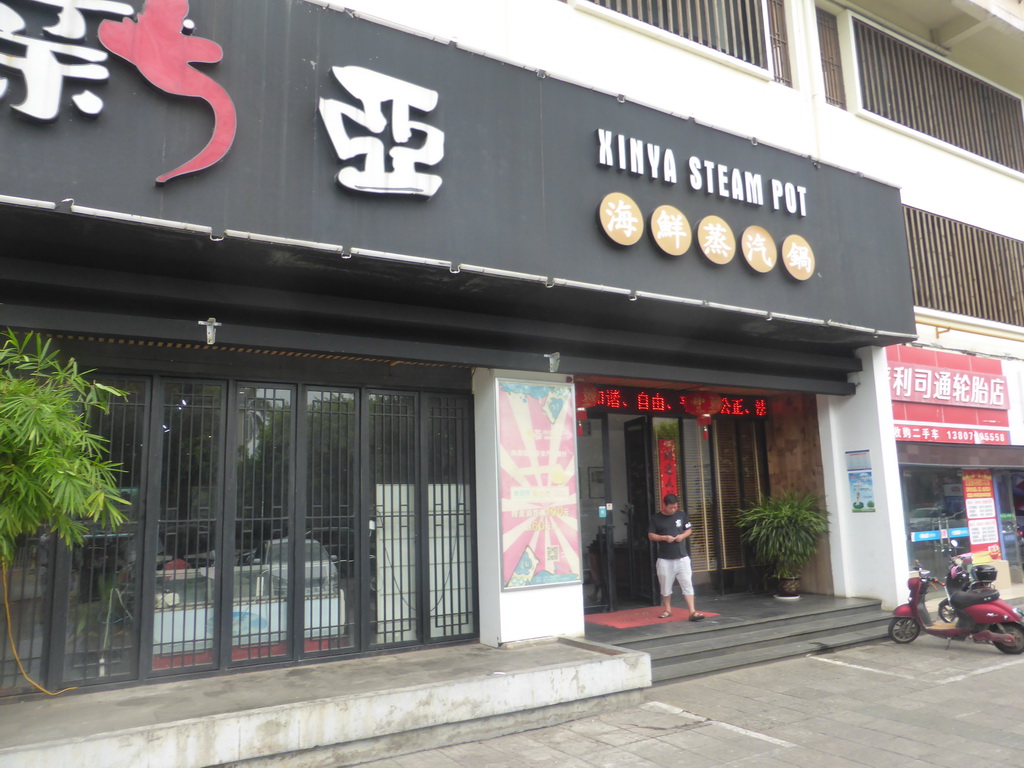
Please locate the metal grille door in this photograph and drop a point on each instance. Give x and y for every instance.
(450, 562)
(101, 631)
(267, 578)
(333, 553)
(393, 480)
(267, 523)
(187, 514)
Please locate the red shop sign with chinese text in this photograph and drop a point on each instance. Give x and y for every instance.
(945, 397)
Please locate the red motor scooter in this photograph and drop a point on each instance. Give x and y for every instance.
(980, 615)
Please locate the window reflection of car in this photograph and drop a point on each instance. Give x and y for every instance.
(925, 518)
(320, 569)
(932, 518)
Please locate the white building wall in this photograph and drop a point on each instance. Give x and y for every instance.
(869, 558)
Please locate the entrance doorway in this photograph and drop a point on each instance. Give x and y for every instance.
(715, 471)
(269, 523)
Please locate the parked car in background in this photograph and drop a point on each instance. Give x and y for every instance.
(319, 569)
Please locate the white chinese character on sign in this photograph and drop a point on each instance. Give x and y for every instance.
(962, 388)
(998, 393)
(900, 381)
(621, 218)
(943, 386)
(799, 257)
(672, 227)
(980, 391)
(923, 382)
(715, 242)
(71, 19)
(758, 246)
(44, 64)
(418, 144)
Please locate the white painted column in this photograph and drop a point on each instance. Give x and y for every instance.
(508, 616)
(869, 553)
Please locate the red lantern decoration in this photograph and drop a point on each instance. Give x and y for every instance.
(587, 395)
(703, 405)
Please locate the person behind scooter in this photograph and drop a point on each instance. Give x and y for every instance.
(962, 574)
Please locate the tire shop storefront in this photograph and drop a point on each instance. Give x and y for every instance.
(327, 320)
(960, 438)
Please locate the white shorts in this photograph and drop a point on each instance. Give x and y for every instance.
(675, 570)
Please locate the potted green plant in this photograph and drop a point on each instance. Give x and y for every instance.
(783, 532)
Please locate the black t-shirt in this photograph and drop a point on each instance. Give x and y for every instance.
(671, 525)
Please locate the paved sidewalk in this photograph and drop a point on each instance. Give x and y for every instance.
(881, 705)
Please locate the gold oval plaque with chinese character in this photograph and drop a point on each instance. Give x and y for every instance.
(797, 257)
(716, 239)
(759, 249)
(671, 230)
(621, 219)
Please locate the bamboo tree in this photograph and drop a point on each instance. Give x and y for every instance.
(54, 474)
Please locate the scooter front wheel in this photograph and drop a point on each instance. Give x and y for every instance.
(1016, 632)
(903, 630)
(946, 612)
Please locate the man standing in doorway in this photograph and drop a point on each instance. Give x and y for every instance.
(670, 531)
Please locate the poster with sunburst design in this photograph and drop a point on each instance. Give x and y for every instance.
(539, 502)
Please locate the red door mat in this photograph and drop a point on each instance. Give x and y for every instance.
(639, 617)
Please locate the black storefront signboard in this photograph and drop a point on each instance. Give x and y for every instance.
(285, 119)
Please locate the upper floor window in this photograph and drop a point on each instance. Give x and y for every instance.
(910, 87)
(831, 59)
(753, 31)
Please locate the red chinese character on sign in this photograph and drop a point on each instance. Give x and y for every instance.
(643, 401)
(610, 398)
(658, 403)
(158, 45)
(760, 408)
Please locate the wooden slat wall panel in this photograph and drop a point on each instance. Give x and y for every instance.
(965, 270)
(910, 87)
(794, 464)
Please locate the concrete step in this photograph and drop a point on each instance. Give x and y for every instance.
(728, 659)
(711, 648)
(713, 643)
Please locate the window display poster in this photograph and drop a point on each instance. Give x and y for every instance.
(982, 521)
(862, 488)
(540, 537)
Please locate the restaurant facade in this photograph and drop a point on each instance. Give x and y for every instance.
(413, 339)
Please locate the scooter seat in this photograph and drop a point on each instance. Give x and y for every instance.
(974, 597)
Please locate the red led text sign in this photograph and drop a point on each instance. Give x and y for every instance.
(660, 402)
